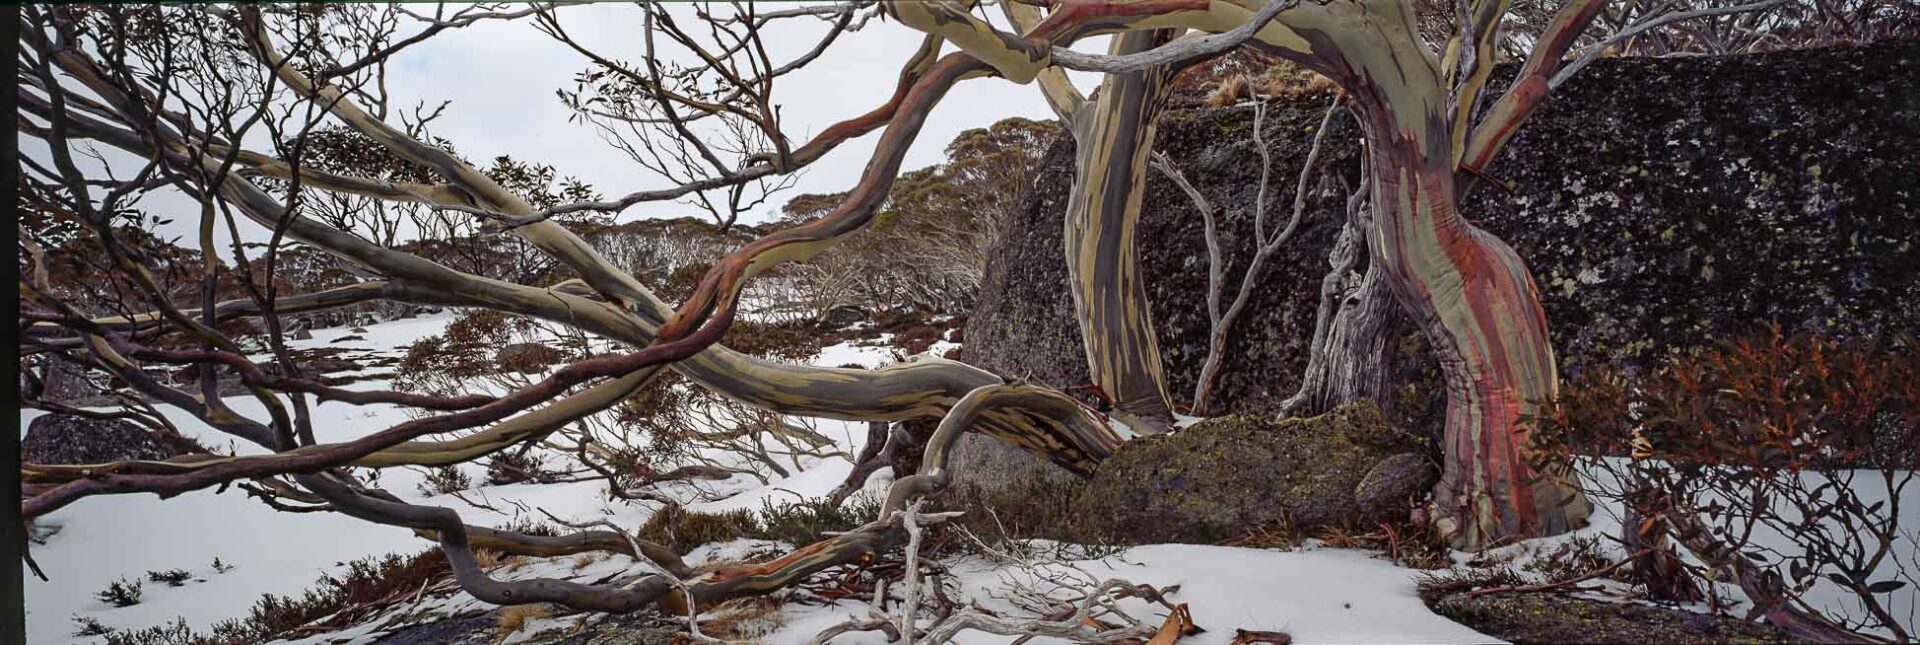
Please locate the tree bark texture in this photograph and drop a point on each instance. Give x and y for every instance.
(1114, 135)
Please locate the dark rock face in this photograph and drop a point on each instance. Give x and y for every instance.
(1225, 477)
(66, 382)
(70, 439)
(1661, 204)
(1717, 196)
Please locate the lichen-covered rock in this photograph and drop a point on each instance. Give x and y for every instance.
(1225, 477)
(66, 382)
(1394, 483)
(71, 439)
(1549, 618)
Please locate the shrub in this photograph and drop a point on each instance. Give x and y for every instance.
(516, 467)
(89, 626)
(1765, 454)
(683, 530)
(120, 593)
(173, 577)
(793, 523)
(174, 633)
(446, 479)
(784, 341)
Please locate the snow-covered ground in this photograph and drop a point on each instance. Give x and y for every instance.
(1316, 595)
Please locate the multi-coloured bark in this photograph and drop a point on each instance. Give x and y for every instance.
(1469, 292)
(1113, 135)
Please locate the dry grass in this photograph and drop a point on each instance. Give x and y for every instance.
(744, 619)
(1283, 81)
(513, 619)
(488, 558)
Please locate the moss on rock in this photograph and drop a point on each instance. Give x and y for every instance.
(1226, 477)
(1547, 618)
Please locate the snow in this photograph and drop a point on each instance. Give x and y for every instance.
(1317, 595)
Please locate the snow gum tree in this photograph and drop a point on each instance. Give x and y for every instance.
(178, 89)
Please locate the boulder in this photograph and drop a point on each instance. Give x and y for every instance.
(72, 439)
(66, 382)
(1226, 477)
(844, 315)
(300, 333)
(1394, 483)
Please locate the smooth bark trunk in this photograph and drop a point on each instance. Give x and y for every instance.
(1114, 135)
(1477, 305)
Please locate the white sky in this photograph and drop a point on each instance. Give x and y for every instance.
(501, 78)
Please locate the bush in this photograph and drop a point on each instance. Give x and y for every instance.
(120, 593)
(173, 577)
(1784, 456)
(446, 479)
(793, 523)
(515, 467)
(174, 633)
(89, 626)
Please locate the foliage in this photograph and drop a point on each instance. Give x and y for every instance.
(172, 577)
(120, 593)
(1773, 439)
(89, 626)
(173, 633)
(446, 479)
(518, 466)
(363, 582)
(800, 522)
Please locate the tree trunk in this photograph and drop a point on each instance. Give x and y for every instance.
(1351, 354)
(1475, 301)
(1114, 135)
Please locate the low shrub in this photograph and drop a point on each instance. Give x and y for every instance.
(797, 523)
(172, 577)
(120, 593)
(89, 626)
(1784, 456)
(446, 479)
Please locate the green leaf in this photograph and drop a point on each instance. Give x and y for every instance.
(1886, 586)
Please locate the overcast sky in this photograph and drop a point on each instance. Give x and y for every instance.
(501, 77)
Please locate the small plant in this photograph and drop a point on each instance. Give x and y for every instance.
(518, 467)
(173, 577)
(89, 626)
(173, 633)
(120, 593)
(444, 480)
(221, 567)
